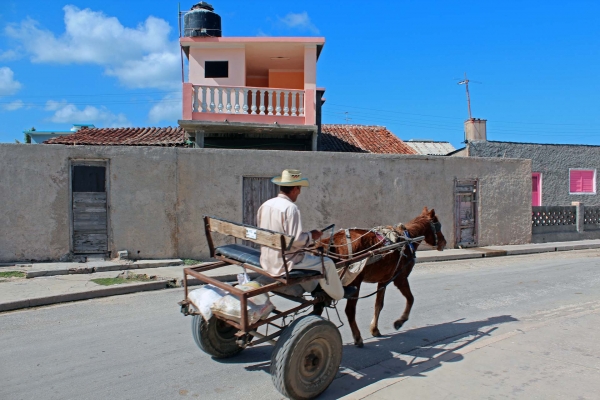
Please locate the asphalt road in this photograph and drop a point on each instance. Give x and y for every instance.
(140, 347)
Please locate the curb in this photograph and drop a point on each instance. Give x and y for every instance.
(109, 266)
(78, 296)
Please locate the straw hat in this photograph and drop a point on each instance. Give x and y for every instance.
(290, 177)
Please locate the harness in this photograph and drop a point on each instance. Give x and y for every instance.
(435, 227)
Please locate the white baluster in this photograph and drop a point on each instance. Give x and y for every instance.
(294, 103)
(220, 90)
(278, 102)
(270, 109)
(245, 108)
(253, 102)
(212, 99)
(286, 110)
(237, 100)
(262, 102)
(194, 98)
(229, 104)
(203, 99)
(301, 104)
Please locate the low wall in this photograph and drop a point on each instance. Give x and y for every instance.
(565, 223)
(157, 196)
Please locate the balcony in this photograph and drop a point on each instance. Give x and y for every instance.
(245, 104)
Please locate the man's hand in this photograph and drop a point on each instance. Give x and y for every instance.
(315, 234)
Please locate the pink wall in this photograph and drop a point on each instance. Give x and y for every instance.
(237, 66)
(310, 83)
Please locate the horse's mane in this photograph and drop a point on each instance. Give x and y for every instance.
(420, 223)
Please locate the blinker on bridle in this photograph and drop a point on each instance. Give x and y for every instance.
(435, 227)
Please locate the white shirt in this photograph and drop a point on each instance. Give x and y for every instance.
(280, 214)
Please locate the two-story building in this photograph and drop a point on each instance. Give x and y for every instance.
(249, 92)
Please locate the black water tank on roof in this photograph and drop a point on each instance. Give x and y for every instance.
(202, 21)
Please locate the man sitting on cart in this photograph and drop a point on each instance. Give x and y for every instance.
(280, 214)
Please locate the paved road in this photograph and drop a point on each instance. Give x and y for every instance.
(139, 346)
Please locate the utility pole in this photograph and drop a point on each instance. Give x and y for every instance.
(347, 118)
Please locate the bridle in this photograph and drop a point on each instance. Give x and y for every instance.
(435, 227)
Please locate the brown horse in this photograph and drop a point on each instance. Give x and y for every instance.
(397, 265)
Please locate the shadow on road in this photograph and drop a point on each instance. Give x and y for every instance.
(395, 355)
(408, 353)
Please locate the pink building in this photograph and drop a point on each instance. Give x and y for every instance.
(249, 92)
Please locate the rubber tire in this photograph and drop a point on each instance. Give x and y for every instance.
(215, 337)
(290, 357)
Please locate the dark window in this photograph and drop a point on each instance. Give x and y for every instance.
(89, 179)
(216, 69)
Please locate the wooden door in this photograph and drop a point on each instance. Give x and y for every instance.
(536, 189)
(466, 213)
(255, 192)
(89, 216)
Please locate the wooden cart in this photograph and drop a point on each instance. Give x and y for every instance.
(308, 349)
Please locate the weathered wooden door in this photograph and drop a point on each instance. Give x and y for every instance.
(88, 188)
(465, 217)
(255, 192)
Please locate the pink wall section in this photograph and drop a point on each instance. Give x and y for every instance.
(237, 66)
(283, 79)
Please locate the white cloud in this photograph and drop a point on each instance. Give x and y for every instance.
(69, 113)
(9, 55)
(139, 57)
(8, 84)
(13, 106)
(168, 110)
(299, 21)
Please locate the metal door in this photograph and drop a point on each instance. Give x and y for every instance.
(466, 219)
(89, 202)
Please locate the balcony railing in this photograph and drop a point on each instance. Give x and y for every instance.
(247, 100)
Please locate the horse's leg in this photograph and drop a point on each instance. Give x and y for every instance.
(404, 287)
(378, 307)
(351, 314)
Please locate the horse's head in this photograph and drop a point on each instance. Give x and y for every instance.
(433, 233)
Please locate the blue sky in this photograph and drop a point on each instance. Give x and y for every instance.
(387, 63)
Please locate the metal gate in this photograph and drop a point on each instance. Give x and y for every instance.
(465, 214)
(89, 202)
(255, 192)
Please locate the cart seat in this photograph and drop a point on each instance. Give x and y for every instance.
(241, 253)
(249, 255)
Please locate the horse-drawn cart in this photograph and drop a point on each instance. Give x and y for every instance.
(308, 348)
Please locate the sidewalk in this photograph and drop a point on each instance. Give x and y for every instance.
(43, 284)
(546, 356)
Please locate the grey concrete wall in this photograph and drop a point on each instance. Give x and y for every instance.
(552, 161)
(157, 196)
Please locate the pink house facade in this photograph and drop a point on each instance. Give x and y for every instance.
(251, 91)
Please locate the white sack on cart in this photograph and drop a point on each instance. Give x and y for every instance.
(205, 297)
(258, 306)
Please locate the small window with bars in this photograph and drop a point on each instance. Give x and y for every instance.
(582, 181)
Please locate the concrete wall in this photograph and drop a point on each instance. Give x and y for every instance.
(157, 196)
(552, 161)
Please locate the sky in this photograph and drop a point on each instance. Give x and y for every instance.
(392, 63)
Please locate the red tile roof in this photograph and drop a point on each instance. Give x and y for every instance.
(362, 139)
(123, 137)
(336, 138)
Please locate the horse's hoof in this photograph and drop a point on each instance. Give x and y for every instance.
(375, 332)
(359, 343)
(398, 324)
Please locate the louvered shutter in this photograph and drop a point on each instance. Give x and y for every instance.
(582, 181)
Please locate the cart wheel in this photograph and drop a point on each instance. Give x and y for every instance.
(306, 357)
(215, 337)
